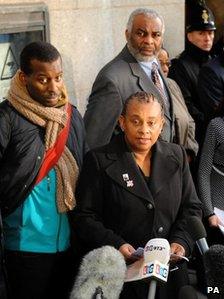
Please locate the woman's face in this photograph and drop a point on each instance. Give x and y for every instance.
(142, 125)
(164, 61)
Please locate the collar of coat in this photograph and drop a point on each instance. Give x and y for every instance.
(144, 82)
(197, 54)
(164, 164)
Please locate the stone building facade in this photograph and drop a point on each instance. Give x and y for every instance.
(88, 33)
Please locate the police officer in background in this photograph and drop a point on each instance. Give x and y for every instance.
(185, 71)
(185, 68)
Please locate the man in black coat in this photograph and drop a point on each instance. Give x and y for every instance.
(211, 86)
(185, 68)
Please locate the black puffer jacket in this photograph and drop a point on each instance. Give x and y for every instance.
(22, 152)
(3, 285)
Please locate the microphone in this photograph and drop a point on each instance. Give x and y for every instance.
(156, 257)
(152, 266)
(214, 270)
(101, 275)
(197, 231)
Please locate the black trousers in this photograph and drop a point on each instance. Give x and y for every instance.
(39, 275)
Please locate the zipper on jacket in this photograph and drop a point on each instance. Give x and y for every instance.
(48, 183)
(59, 229)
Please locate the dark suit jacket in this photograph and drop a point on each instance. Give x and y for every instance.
(119, 79)
(111, 211)
(211, 86)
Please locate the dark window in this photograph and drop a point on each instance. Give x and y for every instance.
(20, 24)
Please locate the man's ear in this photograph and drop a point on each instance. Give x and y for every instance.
(121, 122)
(162, 124)
(127, 34)
(189, 36)
(22, 78)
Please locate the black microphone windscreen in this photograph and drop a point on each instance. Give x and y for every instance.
(187, 292)
(214, 267)
(196, 228)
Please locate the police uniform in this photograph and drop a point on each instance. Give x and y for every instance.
(185, 68)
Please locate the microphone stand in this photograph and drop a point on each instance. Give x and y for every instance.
(152, 289)
(98, 294)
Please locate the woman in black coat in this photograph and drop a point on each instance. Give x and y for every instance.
(136, 188)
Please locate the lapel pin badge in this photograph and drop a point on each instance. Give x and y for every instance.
(130, 183)
(125, 177)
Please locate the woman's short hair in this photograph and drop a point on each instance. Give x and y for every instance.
(142, 97)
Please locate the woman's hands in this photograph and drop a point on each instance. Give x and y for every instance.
(127, 250)
(177, 250)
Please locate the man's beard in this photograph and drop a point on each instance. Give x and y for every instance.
(138, 56)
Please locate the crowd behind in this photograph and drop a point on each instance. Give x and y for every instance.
(147, 155)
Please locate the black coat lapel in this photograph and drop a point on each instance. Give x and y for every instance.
(126, 173)
(164, 166)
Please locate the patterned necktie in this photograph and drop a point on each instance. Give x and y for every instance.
(157, 83)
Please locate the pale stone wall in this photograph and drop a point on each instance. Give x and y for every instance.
(88, 33)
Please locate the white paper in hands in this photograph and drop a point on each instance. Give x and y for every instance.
(152, 261)
(220, 214)
(136, 270)
(181, 257)
(138, 253)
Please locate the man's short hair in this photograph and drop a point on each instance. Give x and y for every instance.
(150, 13)
(42, 51)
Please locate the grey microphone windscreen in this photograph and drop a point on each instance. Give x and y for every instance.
(103, 268)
